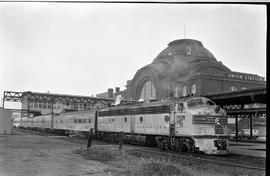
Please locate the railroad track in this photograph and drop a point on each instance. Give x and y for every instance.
(33, 132)
(192, 159)
(174, 156)
(62, 137)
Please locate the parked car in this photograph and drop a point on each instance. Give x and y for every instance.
(245, 133)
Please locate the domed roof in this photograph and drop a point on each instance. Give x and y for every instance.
(181, 61)
(186, 47)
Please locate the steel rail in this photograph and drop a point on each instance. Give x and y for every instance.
(169, 156)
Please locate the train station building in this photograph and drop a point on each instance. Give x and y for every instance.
(184, 68)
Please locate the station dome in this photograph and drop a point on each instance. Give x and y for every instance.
(183, 61)
(185, 47)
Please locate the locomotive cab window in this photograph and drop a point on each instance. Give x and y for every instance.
(208, 102)
(195, 103)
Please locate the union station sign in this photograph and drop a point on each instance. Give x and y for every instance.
(243, 76)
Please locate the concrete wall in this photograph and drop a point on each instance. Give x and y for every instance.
(5, 121)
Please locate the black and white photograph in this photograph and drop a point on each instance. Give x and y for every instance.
(133, 88)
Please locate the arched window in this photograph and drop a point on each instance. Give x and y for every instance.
(233, 88)
(193, 89)
(184, 92)
(148, 91)
(177, 92)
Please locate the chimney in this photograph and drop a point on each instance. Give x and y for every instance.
(117, 91)
(110, 93)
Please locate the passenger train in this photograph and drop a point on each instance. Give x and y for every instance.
(192, 124)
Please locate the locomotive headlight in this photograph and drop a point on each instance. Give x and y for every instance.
(218, 121)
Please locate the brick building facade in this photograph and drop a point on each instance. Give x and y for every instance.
(185, 67)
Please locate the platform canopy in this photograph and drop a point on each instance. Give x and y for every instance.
(247, 96)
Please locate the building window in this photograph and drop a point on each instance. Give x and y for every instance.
(71, 106)
(64, 105)
(35, 104)
(44, 105)
(188, 49)
(184, 92)
(177, 92)
(40, 105)
(233, 88)
(148, 91)
(30, 104)
(81, 106)
(89, 106)
(193, 89)
(49, 105)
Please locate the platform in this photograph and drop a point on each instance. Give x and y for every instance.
(248, 149)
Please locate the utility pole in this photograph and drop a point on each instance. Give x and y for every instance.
(3, 101)
(52, 119)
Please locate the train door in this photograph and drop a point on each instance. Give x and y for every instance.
(96, 123)
(132, 125)
(172, 124)
(52, 122)
(179, 116)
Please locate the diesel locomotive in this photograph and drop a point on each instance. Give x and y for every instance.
(191, 124)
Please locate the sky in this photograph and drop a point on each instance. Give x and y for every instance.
(84, 49)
